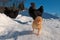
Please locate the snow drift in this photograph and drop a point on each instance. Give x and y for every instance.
(6, 24)
(20, 28)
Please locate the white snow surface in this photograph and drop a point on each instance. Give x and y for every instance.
(21, 28)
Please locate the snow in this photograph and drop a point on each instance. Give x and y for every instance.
(23, 18)
(6, 24)
(21, 28)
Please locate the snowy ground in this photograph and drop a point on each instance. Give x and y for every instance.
(20, 28)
